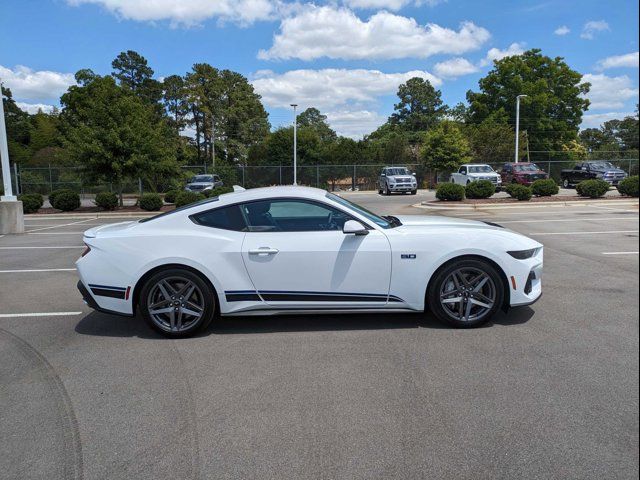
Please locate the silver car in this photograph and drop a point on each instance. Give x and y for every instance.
(397, 179)
(203, 183)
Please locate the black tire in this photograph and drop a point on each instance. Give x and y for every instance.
(386, 190)
(565, 183)
(379, 191)
(440, 280)
(203, 290)
(413, 192)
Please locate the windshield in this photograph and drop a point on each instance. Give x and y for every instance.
(602, 165)
(397, 171)
(381, 222)
(532, 167)
(201, 179)
(480, 169)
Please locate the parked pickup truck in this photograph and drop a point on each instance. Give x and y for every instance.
(524, 173)
(472, 172)
(595, 169)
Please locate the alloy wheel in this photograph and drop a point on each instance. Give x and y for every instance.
(175, 304)
(468, 294)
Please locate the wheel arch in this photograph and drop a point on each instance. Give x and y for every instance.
(141, 281)
(506, 302)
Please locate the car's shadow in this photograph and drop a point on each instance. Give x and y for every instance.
(102, 324)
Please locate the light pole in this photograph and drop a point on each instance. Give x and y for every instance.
(11, 214)
(295, 144)
(517, 125)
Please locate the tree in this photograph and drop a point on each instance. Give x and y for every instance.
(493, 140)
(18, 128)
(114, 135)
(420, 106)
(445, 148)
(312, 118)
(341, 152)
(552, 111)
(133, 72)
(175, 100)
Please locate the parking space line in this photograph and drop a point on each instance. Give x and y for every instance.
(38, 270)
(619, 253)
(37, 248)
(63, 225)
(585, 233)
(39, 314)
(570, 220)
(53, 233)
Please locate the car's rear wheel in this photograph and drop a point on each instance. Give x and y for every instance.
(177, 302)
(465, 293)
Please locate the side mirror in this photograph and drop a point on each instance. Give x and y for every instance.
(383, 174)
(352, 227)
(413, 173)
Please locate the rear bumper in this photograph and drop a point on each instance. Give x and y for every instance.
(91, 302)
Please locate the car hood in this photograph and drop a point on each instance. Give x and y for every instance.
(402, 178)
(611, 170)
(487, 174)
(439, 221)
(200, 184)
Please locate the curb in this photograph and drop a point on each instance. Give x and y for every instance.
(497, 206)
(59, 216)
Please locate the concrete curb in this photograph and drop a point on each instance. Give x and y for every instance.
(497, 206)
(71, 215)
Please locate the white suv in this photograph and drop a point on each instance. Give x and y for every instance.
(397, 179)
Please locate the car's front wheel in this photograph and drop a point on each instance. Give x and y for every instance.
(177, 302)
(465, 293)
(565, 183)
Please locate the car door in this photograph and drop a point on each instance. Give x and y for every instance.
(297, 256)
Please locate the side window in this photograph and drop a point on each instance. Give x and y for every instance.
(463, 170)
(292, 216)
(225, 218)
(507, 168)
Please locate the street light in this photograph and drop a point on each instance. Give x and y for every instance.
(295, 144)
(518, 124)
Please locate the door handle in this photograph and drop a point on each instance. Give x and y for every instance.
(263, 251)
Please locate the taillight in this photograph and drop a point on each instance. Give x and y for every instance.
(87, 249)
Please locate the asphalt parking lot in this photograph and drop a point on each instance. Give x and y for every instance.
(548, 391)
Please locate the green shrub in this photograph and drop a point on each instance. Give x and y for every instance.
(185, 198)
(216, 192)
(545, 188)
(150, 202)
(629, 186)
(52, 195)
(31, 202)
(106, 200)
(66, 201)
(170, 196)
(594, 188)
(480, 189)
(519, 192)
(450, 192)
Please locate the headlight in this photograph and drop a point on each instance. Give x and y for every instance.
(524, 254)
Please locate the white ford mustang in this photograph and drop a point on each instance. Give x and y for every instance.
(297, 249)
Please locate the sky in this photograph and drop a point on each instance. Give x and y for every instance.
(344, 57)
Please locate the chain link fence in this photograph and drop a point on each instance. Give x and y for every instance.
(331, 177)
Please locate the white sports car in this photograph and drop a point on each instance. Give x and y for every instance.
(297, 249)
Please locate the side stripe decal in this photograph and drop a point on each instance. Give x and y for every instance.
(108, 291)
(302, 296)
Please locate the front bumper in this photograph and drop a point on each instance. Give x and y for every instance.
(403, 187)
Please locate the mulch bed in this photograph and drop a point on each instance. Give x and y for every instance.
(126, 209)
(555, 198)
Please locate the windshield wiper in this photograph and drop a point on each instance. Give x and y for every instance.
(394, 221)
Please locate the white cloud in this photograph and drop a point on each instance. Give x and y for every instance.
(595, 120)
(389, 4)
(616, 61)
(354, 123)
(591, 28)
(189, 13)
(454, 67)
(562, 30)
(609, 92)
(28, 84)
(332, 32)
(34, 107)
(331, 87)
(497, 54)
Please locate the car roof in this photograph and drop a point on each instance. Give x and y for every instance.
(475, 165)
(272, 192)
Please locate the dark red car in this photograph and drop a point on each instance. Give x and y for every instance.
(524, 173)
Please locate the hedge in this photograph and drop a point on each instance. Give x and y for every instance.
(55, 193)
(545, 187)
(216, 192)
(150, 202)
(629, 186)
(594, 188)
(480, 189)
(66, 201)
(450, 192)
(170, 196)
(185, 198)
(519, 192)
(106, 200)
(31, 202)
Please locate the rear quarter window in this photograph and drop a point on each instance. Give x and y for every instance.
(225, 218)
